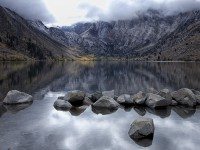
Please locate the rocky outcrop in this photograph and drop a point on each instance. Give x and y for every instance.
(142, 128)
(17, 97)
(174, 103)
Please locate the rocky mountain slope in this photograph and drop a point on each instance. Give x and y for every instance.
(19, 40)
(150, 36)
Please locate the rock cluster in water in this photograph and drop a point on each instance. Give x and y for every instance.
(106, 102)
(142, 128)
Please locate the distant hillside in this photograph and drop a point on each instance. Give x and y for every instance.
(21, 41)
(150, 36)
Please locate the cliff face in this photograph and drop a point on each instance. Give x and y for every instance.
(150, 36)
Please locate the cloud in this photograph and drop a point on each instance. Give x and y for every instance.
(126, 9)
(29, 9)
(66, 12)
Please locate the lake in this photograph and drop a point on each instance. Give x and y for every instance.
(40, 126)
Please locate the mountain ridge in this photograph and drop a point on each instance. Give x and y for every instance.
(151, 36)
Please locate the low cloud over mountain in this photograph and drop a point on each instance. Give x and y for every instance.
(73, 11)
(30, 9)
(127, 9)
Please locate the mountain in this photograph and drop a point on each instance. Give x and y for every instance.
(20, 40)
(150, 36)
(182, 44)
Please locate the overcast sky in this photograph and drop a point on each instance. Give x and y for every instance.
(66, 12)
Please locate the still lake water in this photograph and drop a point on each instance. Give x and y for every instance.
(38, 126)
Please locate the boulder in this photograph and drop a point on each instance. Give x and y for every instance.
(184, 96)
(106, 102)
(115, 97)
(142, 128)
(95, 96)
(195, 92)
(155, 101)
(174, 103)
(17, 97)
(61, 97)
(139, 98)
(198, 99)
(62, 105)
(165, 93)
(124, 99)
(75, 96)
(87, 101)
(88, 95)
(152, 90)
(109, 93)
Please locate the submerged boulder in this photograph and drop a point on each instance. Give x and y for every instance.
(124, 99)
(139, 98)
(75, 96)
(142, 128)
(106, 102)
(155, 101)
(184, 96)
(17, 97)
(61, 104)
(109, 93)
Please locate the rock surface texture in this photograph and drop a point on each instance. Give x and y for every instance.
(62, 104)
(75, 96)
(17, 97)
(142, 128)
(139, 98)
(155, 101)
(184, 96)
(124, 99)
(106, 102)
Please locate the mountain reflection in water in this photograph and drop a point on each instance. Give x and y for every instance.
(86, 128)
